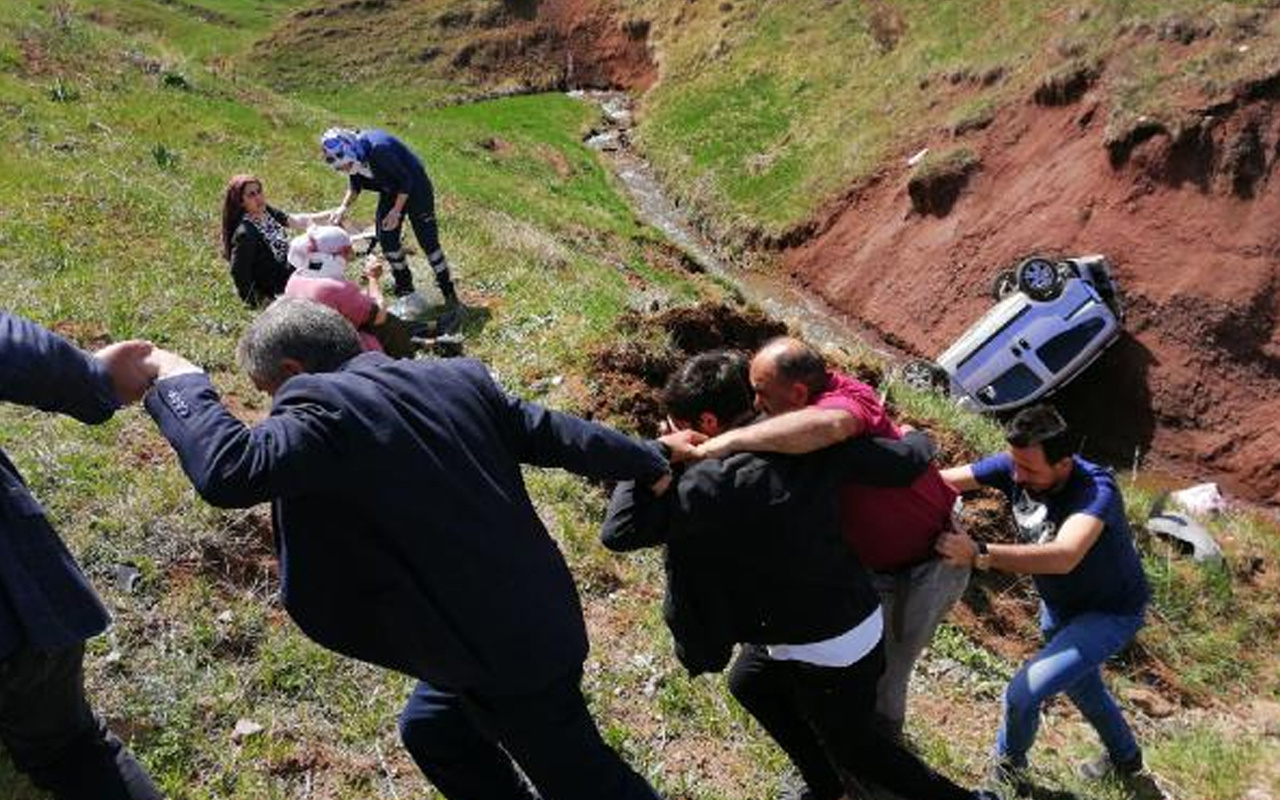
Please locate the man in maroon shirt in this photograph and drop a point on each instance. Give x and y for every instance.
(892, 530)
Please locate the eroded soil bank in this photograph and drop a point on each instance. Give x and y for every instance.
(1188, 217)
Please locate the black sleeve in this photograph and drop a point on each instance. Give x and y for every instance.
(244, 253)
(279, 216)
(636, 518)
(876, 461)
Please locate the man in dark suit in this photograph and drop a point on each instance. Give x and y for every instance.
(407, 539)
(47, 608)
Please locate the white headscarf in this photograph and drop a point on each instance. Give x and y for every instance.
(318, 253)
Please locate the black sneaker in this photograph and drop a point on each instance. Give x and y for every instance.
(1103, 767)
(1006, 780)
(1141, 782)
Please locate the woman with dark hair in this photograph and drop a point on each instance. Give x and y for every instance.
(255, 240)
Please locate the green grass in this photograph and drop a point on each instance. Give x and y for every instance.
(767, 110)
(108, 217)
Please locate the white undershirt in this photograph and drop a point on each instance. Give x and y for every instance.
(848, 648)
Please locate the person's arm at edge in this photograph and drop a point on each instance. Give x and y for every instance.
(801, 431)
(39, 368)
(1059, 557)
(961, 478)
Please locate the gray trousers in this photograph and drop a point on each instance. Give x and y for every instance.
(915, 602)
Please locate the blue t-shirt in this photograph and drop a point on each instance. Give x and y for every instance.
(1109, 579)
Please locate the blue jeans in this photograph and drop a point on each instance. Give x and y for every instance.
(1070, 662)
(469, 746)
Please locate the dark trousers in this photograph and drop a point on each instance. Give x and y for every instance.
(824, 719)
(53, 736)
(421, 215)
(469, 745)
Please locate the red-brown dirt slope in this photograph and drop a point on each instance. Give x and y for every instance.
(1190, 219)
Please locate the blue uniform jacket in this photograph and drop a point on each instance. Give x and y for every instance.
(395, 168)
(45, 601)
(405, 534)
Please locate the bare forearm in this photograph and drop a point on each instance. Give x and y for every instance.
(348, 199)
(1032, 559)
(961, 478)
(401, 200)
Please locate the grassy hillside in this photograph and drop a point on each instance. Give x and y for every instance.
(123, 121)
(766, 111)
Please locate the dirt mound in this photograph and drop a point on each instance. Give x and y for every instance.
(495, 46)
(630, 374)
(1185, 212)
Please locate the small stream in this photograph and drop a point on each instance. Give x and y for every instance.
(804, 313)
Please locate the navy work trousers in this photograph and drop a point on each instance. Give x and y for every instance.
(469, 746)
(53, 736)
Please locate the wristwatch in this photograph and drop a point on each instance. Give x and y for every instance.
(983, 559)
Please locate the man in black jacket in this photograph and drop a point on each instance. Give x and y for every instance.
(47, 607)
(407, 539)
(755, 556)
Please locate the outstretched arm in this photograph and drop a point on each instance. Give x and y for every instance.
(1058, 557)
(38, 368)
(297, 449)
(545, 438)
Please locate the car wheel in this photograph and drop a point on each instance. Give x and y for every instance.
(924, 376)
(1005, 284)
(1039, 279)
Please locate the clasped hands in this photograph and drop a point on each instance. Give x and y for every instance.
(134, 366)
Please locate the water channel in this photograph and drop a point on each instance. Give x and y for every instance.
(806, 314)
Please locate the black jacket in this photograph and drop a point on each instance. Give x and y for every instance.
(754, 549)
(45, 601)
(405, 534)
(259, 276)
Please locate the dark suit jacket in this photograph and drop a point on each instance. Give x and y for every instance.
(405, 534)
(45, 601)
(754, 551)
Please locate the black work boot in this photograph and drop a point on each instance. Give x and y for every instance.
(445, 282)
(403, 282)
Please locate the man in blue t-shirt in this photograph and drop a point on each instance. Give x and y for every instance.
(377, 161)
(1075, 542)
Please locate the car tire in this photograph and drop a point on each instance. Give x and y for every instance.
(1005, 284)
(1040, 279)
(925, 376)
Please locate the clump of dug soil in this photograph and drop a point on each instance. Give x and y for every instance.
(630, 374)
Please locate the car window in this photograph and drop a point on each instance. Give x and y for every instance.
(1062, 349)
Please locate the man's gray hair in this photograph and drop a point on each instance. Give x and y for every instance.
(316, 336)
